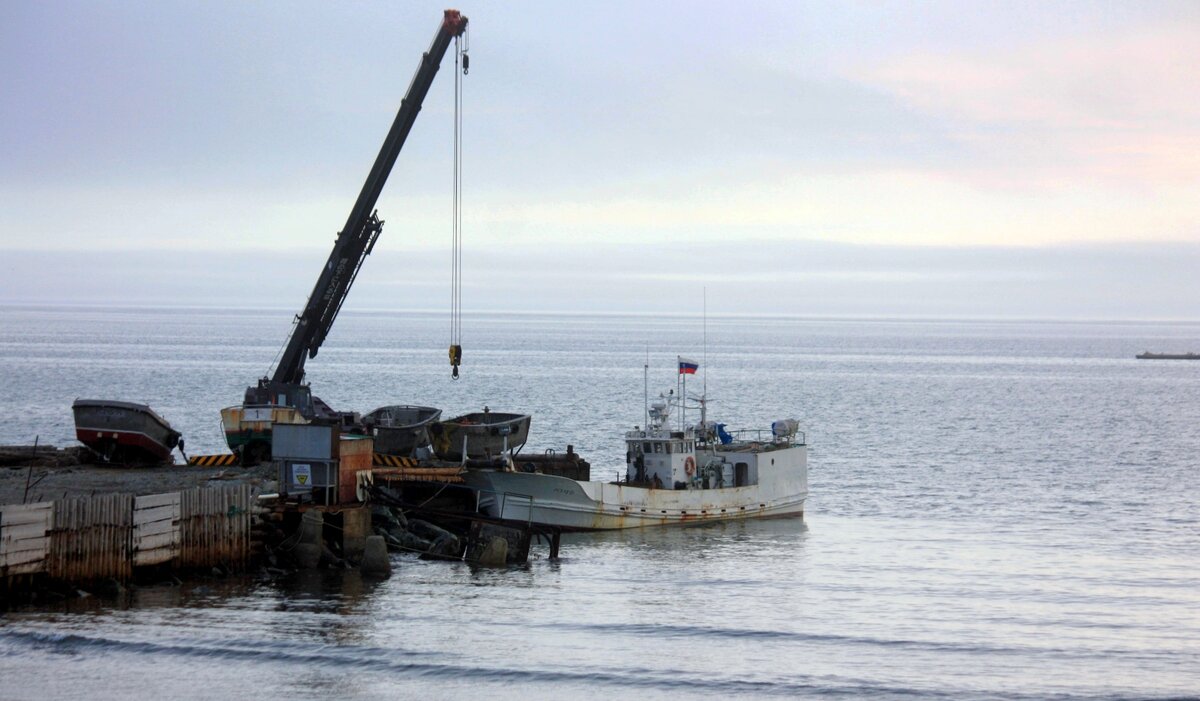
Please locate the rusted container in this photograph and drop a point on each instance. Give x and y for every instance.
(355, 453)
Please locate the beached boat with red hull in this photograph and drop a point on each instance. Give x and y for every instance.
(123, 432)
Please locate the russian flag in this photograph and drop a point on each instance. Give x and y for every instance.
(687, 367)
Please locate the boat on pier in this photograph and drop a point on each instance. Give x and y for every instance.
(124, 432)
(401, 429)
(482, 435)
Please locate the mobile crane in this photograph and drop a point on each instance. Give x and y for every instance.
(247, 428)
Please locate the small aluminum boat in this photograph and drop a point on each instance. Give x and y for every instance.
(124, 432)
(401, 429)
(481, 435)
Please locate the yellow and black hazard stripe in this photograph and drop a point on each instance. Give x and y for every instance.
(223, 460)
(382, 460)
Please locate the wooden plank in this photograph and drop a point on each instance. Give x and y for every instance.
(158, 556)
(156, 529)
(22, 557)
(147, 529)
(27, 568)
(34, 545)
(149, 501)
(170, 512)
(24, 539)
(23, 531)
(158, 540)
(27, 543)
(18, 514)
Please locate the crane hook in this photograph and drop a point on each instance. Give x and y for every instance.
(455, 360)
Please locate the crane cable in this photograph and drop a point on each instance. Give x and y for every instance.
(456, 216)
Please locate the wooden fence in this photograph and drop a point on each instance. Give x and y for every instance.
(157, 531)
(25, 537)
(215, 526)
(91, 538)
(87, 539)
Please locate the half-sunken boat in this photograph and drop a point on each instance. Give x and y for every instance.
(672, 476)
(1167, 356)
(401, 429)
(482, 435)
(123, 432)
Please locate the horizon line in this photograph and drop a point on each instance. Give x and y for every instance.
(894, 318)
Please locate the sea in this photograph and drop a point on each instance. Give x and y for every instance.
(999, 509)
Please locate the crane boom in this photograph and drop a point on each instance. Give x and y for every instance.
(357, 238)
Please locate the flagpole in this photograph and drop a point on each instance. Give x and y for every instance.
(678, 362)
(646, 391)
(704, 393)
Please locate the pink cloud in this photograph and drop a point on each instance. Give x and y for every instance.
(1106, 107)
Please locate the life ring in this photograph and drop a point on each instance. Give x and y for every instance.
(689, 466)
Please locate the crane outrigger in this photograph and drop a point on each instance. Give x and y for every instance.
(283, 396)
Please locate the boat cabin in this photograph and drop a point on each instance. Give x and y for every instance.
(708, 457)
(660, 458)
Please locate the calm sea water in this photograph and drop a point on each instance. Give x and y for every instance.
(998, 510)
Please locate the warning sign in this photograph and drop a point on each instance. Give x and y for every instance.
(302, 475)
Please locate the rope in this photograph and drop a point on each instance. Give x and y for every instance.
(286, 339)
(456, 218)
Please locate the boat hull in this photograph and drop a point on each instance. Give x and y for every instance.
(123, 432)
(483, 435)
(558, 502)
(401, 429)
(248, 428)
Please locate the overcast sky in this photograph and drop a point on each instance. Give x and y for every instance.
(1026, 159)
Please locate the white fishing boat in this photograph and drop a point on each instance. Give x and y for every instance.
(673, 475)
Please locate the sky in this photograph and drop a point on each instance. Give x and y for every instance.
(1035, 159)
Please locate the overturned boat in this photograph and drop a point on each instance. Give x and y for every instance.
(481, 435)
(124, 432)
(401, 429)
(672, 476)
